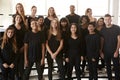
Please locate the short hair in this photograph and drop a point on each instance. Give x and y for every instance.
(107, 15)
(92, 23)
(40, 17)
(72, 6)
(33, 7)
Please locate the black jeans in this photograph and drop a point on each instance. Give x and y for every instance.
(93, 75)
(39, 67)
(116, 65)
(59, 61)
(8, 73)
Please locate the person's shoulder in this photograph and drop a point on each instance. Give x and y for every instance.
(115, 26)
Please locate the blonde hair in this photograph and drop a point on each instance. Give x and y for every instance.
(54, 15)
(58, 36)
(5, 39)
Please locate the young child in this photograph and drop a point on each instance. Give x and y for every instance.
(34, 50)
(74, 50)
(8, 54)
(54, 46)
(93, 48)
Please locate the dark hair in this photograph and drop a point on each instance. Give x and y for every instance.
(92, 23)
(64, 20)
(33, 7)
(107, 15)
(77, 31)
(86, 17)
(40, 17)
(14, 16)
(102, 19)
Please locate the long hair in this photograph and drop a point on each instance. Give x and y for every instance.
(78, 33)
(22, 13)
(87, 10)
(64, 20)
(101, 18)
(58, 36)
(13, 39)
(15, 17)
(54, 15)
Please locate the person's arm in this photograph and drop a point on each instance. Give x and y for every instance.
(116, 53)
(59, 48)
(43, 54)
(48, 48)
(26, 54)
(101, 47)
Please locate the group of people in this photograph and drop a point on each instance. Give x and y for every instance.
(73, 39)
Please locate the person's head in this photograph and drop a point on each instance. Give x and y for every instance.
(64, 23)
(9, 35)
(51, 12)
(19, 8)
(54, 26)
(72, 9)
(40, 20)
(91, 27)
(34, 25)
(100, 22)
(17, 19)
(33, 10)
(107, 19)
(88, 12)
(85, 19)
(74, 29)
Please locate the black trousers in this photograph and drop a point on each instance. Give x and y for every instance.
(74, 61)
(116, 65)
(93, 75)
(19, 66)
(59, 61)
(39, 67)
(8, 73)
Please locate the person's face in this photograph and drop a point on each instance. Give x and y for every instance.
(34, 25)
(10, 33)
(100, 22)
(63, 24)
(19, 8)
(73, 29)
(18, 19)
(89, 12)
(54, 24)
(40, 21)
(91, 28)
(51, 11)
(72, 9)
(84, 20)
(107, 21)
(34, 10)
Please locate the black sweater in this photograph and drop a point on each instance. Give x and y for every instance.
(7, 55)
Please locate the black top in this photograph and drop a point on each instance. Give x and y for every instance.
(92, 45)
(7, 55)
(110, 38)
(54, 44)
(74, 47)
(29, 22)
(73, 18)
(34, 41)
(19, 35)
(47, 23)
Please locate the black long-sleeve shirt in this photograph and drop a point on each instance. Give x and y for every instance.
(8, 55)
(92, 45)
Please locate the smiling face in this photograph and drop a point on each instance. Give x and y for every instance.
(107, 21)
(10, 33)
(100, 22)
(73, 29)
(18, 19)
(34, 25)
(19, 8)
(34, 10)
(72, 9)
(91, 28)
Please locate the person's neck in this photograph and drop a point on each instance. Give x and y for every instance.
(34, 31)
(91, 32)
(72, 13)
(109, 26)
(33, 15)
(73, 35)
(99, 27)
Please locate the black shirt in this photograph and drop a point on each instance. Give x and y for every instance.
(7, 54)
(19, 35)
(92, 45)
(47, 23)
(34, 41)
(110, 38)
(74, 47)
(54, 44)
(73, 18)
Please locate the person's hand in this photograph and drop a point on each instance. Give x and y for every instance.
(26, 63)
(67, 59)
(11, 66)
(54, 55)
(5, 65)
(93, 60)
(82, 58)
(116, 54)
